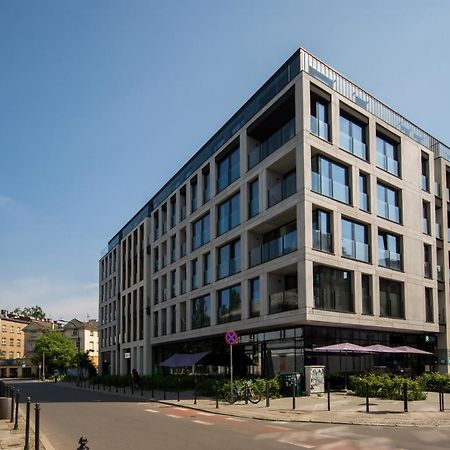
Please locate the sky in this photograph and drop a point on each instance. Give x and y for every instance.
(101, 102)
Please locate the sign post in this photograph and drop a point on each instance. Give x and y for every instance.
(231, 339)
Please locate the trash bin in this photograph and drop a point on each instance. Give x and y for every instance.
(5, 408)
(286, 380)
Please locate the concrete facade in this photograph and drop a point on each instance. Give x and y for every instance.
(155, 271)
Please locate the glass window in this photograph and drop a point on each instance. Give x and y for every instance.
(206, 268)
(173, 319)
(391, 299)
(389, 251)
(321, 230)
(352, 136)
(333, 289)
(206, 185)
(201, 312)
(255, 309)
(426, 223)
(156, 291)
(173, 249)
(183, 316)
(355, 240)
(228, 169)
(194, 194)
(253, 204)
(387, 155)
(429, 313)
(173, 213)
(284, 189)
(155, 324)
(388, 203)
(319, 117)
(425, 179)
(427, 269)
(229, 215)
(229, 259)
(364, 203)
(173, 284)
(163, 322)
(366, 288)
(330, 179)
(200, 232)
(194, 274)
(229, 304)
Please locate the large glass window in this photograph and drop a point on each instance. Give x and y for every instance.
(427, 270)
(352, 136)
(155, 324)
(255, 309)
(173, 319)
(319, 117)
(173, 212)
(426, 222)
(333, 289)
(201, 312)
(173, 249)
(364, 203)
(229, 215)
(366, 288)
(194, 274)
(330, 179)
(206, 185)
(282, 190)
(228, 169)
(391, 299)
(183, 316)
(206, 268)
(387, 155)
(425, 179)
(173, 285)
(321, 230)
(253, 203)
(200, 232)
(194, 194)
(355, 240)
(429, 312)
(389, 251)
(388, 203)
(229, 304)
(229, 259)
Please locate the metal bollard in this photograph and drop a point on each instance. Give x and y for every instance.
(195, 390)
(246, 393)
(27, 425)
(367, 397)
(16, 423)
(13, 397)
(37, 413)
(329, 396)
(83, 441)
(178, 391)
(405, 397)
(267, 395)
(293, 393)
(217, 394)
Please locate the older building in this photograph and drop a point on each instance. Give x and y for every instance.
(315, 215)
(84, 335)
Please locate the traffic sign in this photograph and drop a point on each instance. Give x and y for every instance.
(231, 337)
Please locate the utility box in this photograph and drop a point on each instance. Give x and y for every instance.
(314, 379)
(5, 408)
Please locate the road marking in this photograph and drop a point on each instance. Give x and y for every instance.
(152, 410)
(273, 427)
(202, 422)
(201, 413)
(234, 419)
(173, 416)
(277, 422)
(179, 408)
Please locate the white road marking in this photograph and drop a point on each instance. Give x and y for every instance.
(278, 422)
(235, 419)
(202, 422)
(279, 428)
(201, 413)
(179, 408)
(173, 416)
(152, 410)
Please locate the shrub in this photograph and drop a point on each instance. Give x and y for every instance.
(434, 381)
(384, 386)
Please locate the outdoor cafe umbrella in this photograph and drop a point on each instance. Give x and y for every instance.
(412, 350)
(379, 348)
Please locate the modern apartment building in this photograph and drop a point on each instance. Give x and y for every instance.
(315, 215)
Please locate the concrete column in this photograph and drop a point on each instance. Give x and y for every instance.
(357, 292)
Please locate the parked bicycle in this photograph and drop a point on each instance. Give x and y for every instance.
(244, 392)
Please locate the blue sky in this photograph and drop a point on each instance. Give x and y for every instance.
(101, 102)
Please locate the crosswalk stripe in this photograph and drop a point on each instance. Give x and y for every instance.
(201, 413)
(202, 422)
(234, 419)
(152, 410)
(173, 416)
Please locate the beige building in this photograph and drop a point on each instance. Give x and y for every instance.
(85, 336)
(315, 215)
(34, 330)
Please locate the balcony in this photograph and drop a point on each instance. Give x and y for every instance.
(390, 260)
(182, 212)
(319, 128)
(425, 226)
(355, 250)
(438, 230)
(273, 249)
(387, 163)
(283, 301)
(322, 241)
(183, 286)
(282, 190)
(228, 222)
(389, 211)
(427, 270)
(424, 183)
(440, 273)
(270, 145)
(228, 268)
(330, 188)
(353, 145)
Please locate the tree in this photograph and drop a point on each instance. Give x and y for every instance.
(85, 362)
(60, 352)
(34, 312)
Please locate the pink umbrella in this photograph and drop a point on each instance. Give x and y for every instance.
(344, 347)
(382, 349)
(406, 349)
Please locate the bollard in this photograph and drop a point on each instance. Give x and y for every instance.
(13, 397)
(16, 422)
(195, 389)
(142, 389)
(329, 396)
(83, 441)
(443, 404)
(246, 393)
(367, 397)
(37, 412)
(117, 387)
(405, 397)
(178, 391)
(217, 394)
(293, 392)
(267, 395)
(27, 425)
(164, 387)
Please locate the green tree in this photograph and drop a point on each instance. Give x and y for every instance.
(60, 352)
(35, 312)
(85, 362)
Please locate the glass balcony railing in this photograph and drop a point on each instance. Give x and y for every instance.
(440, 273)
(389, 211)
(330, 188)
(164, 295)
(319, 128)
(424, 182)
(425, 226)
(438, 230)
(228, 268)
(363, 201)
(194, 281)
(282, 190)
(227, 178)
(183, 249)
(253, 207)
(183, 212)
(322, 241)
(387, 163)
(427, 269)
(155, 234)
(183, 286)
(283, 301)
(437, 189)
(273, 249)
(274, 142)
(353, 145)
(355, 250)
(390, 260)
(164, 261)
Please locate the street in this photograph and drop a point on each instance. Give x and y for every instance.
(111, 421)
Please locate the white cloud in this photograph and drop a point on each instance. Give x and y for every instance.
(58, 298)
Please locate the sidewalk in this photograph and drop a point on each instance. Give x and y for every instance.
(11, 439)
(345, 408)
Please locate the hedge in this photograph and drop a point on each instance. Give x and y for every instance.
(434, 382)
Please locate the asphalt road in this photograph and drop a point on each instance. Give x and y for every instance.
(114, 422)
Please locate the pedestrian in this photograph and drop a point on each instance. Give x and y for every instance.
(136, 379)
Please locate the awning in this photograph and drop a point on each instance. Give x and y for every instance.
(416, 351)
(183, 359)
(383, 349)
(344, 347)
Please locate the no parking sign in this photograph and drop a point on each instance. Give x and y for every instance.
(231, 337)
